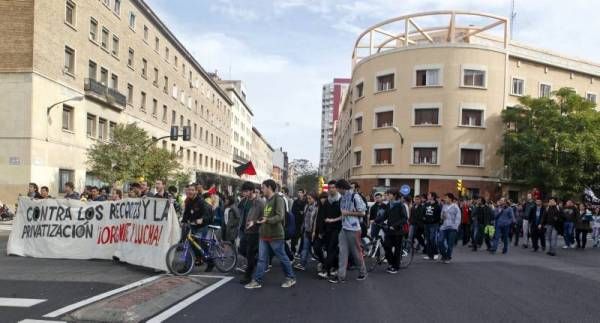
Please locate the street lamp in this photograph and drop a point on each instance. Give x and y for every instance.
(75, 98)
(400, 134)
(48, 109)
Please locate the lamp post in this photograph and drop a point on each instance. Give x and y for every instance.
(48, 109)
(400, 134)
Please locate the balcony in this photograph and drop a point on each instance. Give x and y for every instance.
(103, 94)
(239, 159)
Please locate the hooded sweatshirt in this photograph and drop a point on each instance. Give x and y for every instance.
(451, 216)
(331, 210)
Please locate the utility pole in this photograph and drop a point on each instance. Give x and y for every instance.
(513, 16)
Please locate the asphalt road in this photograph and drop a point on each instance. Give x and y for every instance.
(518, 287)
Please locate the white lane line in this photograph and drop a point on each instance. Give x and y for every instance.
(96, 298)
(19, 302)
(188, 301)
(40, 321)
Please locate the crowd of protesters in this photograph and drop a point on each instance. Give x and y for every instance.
(264, 221)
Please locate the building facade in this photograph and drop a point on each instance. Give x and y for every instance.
(262, 157)
(278, 165)
(425, 104)
(109, 62)
(241, 121)
(333, 94)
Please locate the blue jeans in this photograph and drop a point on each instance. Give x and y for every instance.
(446, 243)
(277, 247)
(568, 233)
(306, 244)
(501, 232)
(431, 232)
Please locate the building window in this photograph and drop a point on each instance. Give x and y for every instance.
(143, 101)
(115, 81)
(156, 44)
(129, 94)
(167, 54)
(132, 20)
(384, 119)
(545, 90)
(591, 97)
(131, 57)
(518, 86)
(474, 78)
(102, 129)
(425, 156)
(91, 125)
(195, 130)
(104, 40)
(93, 29)
(173, 117)
(64, 176)
(181, 121)
(360, 90)
(385, 82)
(92, 70)
(166, 87)
(144, 68)
(357, 158)
(67, 118)
(358, 124)
(111, 131)
(428, 77)
(69, 60)
(117, 7)
(427, 117)
(470, 157)
(155, 82)
(146, 34)
(472, 118)
(383, 156)
(103, 76)
(164, 114)
(174, 91)
(154, 108)
(175, 61)
(70, 13)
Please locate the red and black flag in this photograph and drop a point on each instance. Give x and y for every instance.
(246, 168)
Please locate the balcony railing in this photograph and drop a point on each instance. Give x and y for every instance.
(104, 94)
(239, 159)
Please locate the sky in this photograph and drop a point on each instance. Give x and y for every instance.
(286, 50)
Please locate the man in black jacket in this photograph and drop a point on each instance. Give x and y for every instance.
(433, 212)
(331, 230)
(377, 210)
(535, 217)
(197, 214)
(298, 212)
(417, 226)
(396, 217)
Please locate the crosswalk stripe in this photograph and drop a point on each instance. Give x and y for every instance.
(40, 321)
(19, 302)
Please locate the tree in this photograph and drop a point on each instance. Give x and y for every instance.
(553, 143)
(303, 167)
(308, 182)
(130, 156)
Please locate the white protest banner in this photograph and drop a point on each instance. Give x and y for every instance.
(137, 231)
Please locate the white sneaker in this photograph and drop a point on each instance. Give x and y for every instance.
(436, 257)
(565, 247)
(289, 282)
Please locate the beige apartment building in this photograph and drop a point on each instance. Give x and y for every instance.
(70, 70)
(426, 98)
(262, 157)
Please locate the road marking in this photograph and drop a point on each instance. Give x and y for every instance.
(19, 302)
(40, 321)
(190, 300)
(96, 298)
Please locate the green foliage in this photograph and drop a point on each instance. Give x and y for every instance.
(129, 156)
(309, 182)
(553, 144)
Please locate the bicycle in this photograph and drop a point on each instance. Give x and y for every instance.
(375, 253)
(181, 258)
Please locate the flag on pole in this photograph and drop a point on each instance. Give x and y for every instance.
(246, 168)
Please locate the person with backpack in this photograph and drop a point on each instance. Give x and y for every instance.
(352, 210)
(197, 213)
(432, 224)
(451, 217)
(272, 238)
(329, 229)
(310, 214)
(364, 221)
(396, 217)
(298, 207)
(251, 209)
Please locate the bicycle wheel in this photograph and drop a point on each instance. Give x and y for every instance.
(373, 256)
(224, 256)
(408, 253)
(180, 259)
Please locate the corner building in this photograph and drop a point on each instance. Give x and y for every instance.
(122, 65)
(426, 99)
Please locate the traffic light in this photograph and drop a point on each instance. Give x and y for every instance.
(459, 186)
(174, 133)
(187, 133)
